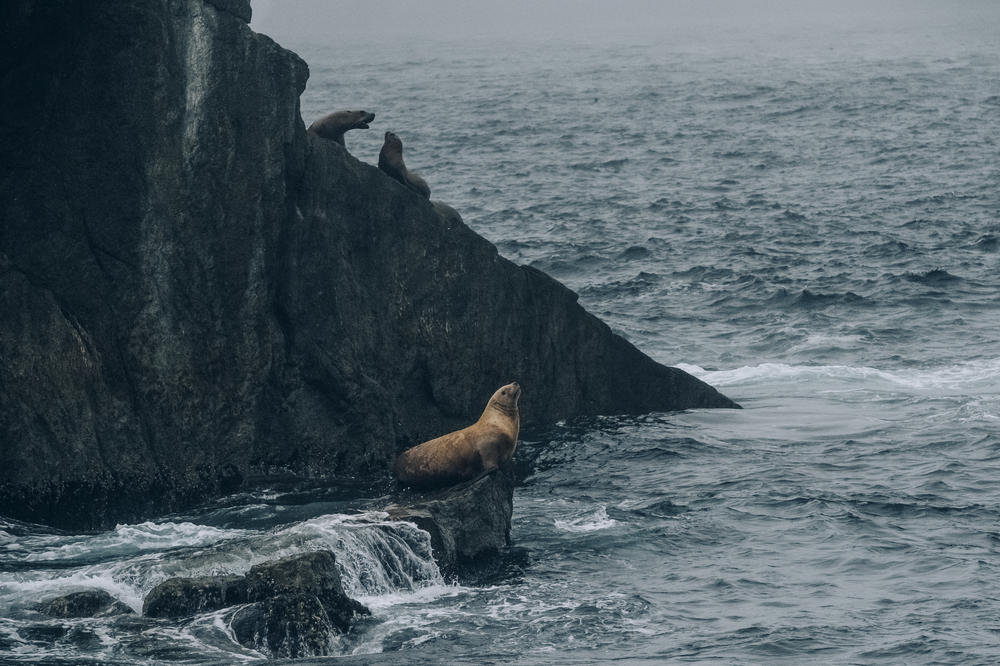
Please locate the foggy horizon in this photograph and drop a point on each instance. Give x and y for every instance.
(634, 20)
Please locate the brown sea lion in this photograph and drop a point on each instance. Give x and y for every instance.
(467, 453)
(390, 160)
(333, 125)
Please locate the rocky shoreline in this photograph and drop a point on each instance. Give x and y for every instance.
(296, 606)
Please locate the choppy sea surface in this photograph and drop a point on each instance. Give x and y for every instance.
(809, 222)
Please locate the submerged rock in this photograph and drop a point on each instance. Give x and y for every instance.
(467, 522)
(196, 292)
(181, 597)
(300, 607)
(289, 625)
(312, 573)
(86, 603)
(296, 606)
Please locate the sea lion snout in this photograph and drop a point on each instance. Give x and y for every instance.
(512, 390)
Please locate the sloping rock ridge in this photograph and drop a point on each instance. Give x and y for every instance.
(195, 292)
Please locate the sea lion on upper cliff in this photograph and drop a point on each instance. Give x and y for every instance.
(333, 125)
(467, 453)
(447, 213)
(390, 160)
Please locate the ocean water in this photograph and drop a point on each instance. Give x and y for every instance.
(807, 219)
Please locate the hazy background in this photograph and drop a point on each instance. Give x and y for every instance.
(696, 23)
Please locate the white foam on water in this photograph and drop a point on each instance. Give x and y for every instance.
(375, 556)
(815, 341)
(417, 614)
(971, 376)
(212, 633)
(126, 540)
(589, 522)
(40, 585)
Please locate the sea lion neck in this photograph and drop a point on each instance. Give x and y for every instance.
(508, 409)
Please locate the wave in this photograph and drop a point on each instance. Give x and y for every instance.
(124, 540)
(613, 164)
(589, 522)
(635, 252)
(810, 299)
(988, 243)
(375, 556)
(978, 376)
(934, 277)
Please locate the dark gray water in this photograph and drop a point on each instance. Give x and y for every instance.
(810, 221)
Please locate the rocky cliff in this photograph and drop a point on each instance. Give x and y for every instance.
(193, 291)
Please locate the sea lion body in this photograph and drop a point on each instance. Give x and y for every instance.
(467, 453)
(332, 126)
(390, 160)
(447, 213)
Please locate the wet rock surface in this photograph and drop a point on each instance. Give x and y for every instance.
(181, 597)
(468, 522)
(288, 625)
(312, 573)
(293, 607)
(86, 603)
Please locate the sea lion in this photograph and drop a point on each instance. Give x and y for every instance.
(467, 453)
(333, 125)
(447, 213)
(390, 160)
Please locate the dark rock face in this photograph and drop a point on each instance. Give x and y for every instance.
(467, 521)
(302, 609)
(147, 147)
(289, 625)
(194, 292)
(313, 574)
(238, 8)
(181, 597)
(87, 603)
(296, 605)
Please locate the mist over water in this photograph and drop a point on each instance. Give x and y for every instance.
(799, 204)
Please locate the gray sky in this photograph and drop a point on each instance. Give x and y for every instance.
(463, 20)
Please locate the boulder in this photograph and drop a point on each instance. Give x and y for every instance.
(467, 522)
(181, 597)
(288, 625)
(294, 607)
(300, 607)
(313, 573)
(86, 603)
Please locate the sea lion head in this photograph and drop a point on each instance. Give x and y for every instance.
(333, 125)
(506, 397)
(364, 117)
(392, 142)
